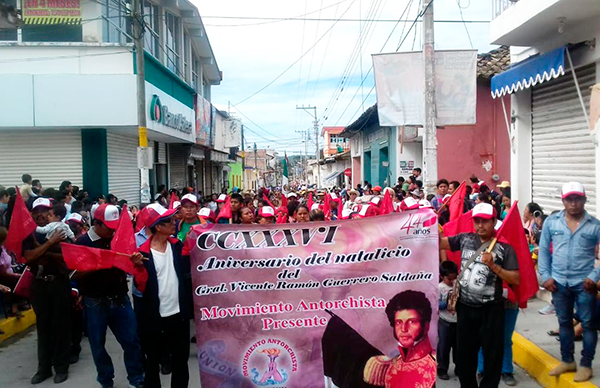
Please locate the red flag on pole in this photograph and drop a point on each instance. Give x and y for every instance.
(310, 202)
(21, 226)
(82, 258)
(269, 202)
(386, 206)
(124, 238)
(225, 210)
(457, 201)
(511, 232)
(174, 198)
(327, 206)
(463, 224)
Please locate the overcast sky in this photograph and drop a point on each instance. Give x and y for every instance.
(251, 53)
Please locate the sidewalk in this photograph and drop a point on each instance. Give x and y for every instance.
(11, 326)
(538, 353)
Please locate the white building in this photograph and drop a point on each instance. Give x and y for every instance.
(552, 142)
(68, 98)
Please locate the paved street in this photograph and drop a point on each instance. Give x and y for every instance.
(19, 361)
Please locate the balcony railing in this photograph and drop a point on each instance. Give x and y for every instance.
(498, 6)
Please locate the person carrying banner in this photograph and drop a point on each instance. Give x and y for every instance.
(568, 272)
(106, 304)
(51, 291)
(166, 306)
(485, 263)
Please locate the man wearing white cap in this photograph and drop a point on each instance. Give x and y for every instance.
(568, 272)
(480, 306)
(189, 213)
(51, 297)
(106, 304)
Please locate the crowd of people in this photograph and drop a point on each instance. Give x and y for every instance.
(154, 330)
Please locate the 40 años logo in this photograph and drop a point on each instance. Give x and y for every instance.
(268, 362)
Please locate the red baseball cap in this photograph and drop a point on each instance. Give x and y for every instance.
(409, 203)
(108, 214)
(207, 213)
(572, 188)
(222, 198)
(266, 211)
(190, 198)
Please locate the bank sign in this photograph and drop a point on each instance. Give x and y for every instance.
(161, 114)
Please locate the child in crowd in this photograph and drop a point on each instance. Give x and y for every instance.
(447, 321)
(56, 215)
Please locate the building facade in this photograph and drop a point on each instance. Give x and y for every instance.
(380, 155)
(69, 98)
(555, 66)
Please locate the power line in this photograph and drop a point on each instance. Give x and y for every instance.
(296, 61)
(249, 119)
(326, 20)
(460, 8)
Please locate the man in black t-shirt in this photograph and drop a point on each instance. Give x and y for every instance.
(107, 304)
(51, 296)
(480, 306)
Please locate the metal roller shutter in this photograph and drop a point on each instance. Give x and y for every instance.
(178, 159)
(52, 156)
(562, 148)
(123, 174)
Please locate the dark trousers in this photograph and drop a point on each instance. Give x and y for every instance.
(176, 332)
(446, 342)
(52, 306)
(76, 329)
(480, 327)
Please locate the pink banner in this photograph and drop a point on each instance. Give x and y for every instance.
(350, 303)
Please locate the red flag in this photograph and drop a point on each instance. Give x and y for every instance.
(174, 198)
(225, 210)
(284, 201)
(310, 202)
(84, 258)
(282, 212)
(21, 226)
(124, 238)
(511, 232)
(463, 224)
(386, 206)
(457, 201)
(141, 219)
(327, 206)
(269, 202)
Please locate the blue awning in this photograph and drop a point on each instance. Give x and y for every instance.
(532, 71)
(333, 176)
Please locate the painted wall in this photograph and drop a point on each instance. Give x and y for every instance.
(235, 175)
(482, 149)
(377, 150)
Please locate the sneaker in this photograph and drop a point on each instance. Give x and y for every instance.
(548, 310)
(443, 376)
(40, 376)
(509, 379)
(61, 377)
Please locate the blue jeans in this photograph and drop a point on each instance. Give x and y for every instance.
(510, 320)
(565, 299)
(117, 314)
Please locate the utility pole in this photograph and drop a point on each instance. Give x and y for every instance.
(430, 167)
(243, 161)
(138, 37)
(256, 166)
(305, 138)
(316, 127)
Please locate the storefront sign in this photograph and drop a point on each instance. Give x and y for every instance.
(284, 304)
(52, 12)
(160, 113)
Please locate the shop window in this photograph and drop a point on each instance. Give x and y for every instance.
(9, 34)
(51, 33)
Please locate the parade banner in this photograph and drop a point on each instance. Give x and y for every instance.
(52, 12)
(317, 304)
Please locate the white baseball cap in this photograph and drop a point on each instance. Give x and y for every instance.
(483, 210)
(75, 217)
(191, 198)
(425, 204)
(375, 200)
(409, 203)
(571, 188)
(222, 198)
(94, 207)
(292, 195)
(42, 202)
(266, 211)
(315, 206)
(207, 213)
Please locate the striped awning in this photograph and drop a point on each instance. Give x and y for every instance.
(532, 71)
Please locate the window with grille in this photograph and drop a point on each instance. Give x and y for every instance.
(172, 42)
(151, 33)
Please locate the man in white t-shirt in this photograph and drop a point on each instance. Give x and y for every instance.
(166, 305)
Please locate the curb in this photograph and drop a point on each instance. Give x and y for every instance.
(537, 363)
(12, 326)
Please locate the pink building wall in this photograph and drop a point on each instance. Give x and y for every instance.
(463, 150)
